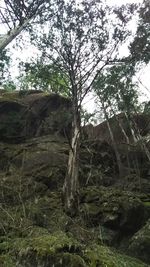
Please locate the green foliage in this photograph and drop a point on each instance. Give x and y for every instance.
(46, 77)
(5, 78)
(4, 64)
(115, 89)
(76, 40)
(140, 47)
(87, 117)
(9, 86)
(102, 256)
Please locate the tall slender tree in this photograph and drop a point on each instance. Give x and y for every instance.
(82, 38)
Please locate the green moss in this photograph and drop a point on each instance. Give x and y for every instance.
(100, 256)
(45, 244)
(72, 260)
(147, 204)
(140, 243)
(6, 261)
(58, 249)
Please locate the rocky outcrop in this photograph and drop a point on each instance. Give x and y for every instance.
(116, 209)
(140, 243)
(142, 122)
(27, 114)
(112, 226)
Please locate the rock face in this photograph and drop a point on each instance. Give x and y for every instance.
(112, 227)
(115, 209)
(101, 132)
(140, 243)
(25, 115)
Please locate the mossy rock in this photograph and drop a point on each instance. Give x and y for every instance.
(47, 212)
(29, 114)
(47, 250)
(101, 256)
(97, 160)
(135, 183)
(113, 208)
(58, 260)
(7, 261)
(140, 243)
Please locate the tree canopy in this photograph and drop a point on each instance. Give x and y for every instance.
(15, 15)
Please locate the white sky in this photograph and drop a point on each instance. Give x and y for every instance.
(120, 2)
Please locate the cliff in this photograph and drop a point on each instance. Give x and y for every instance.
(112, 227)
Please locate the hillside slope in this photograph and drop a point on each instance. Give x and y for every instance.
(112, 228)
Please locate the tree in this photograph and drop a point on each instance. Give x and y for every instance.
(4, 64)
(115, 89)
(140, 47)
(6, 82)
(41, 76)
(117, 93)
(83, 38)
(15, 15)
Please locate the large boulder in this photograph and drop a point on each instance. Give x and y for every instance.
(140, 243)
(98, 163)
(134, 183)
(24, 115)
(142, 122)
(32, 167)
(116, 209)
(60, 250)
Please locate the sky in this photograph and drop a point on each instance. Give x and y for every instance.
(120, 2)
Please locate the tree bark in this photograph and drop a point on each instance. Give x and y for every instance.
(131, 127)
(126, 138)
(71, 184)
(8, 38)
(113, 142)
(139, 138)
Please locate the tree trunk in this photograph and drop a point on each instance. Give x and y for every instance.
(126, 138)
(113, 142)
(8, 38)
(70, 188)
(131, 127)
(139, 139)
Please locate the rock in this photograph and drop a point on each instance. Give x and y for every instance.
(25, 115)
(12, 120)
(101, 256)
(140, 243)
(98, 163)
(60, 250)
(46, 250)
(134, 183)
(101, 132)
(113, 208)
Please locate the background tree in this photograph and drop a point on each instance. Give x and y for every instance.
(6, 81)
(116, 89)
(41, 76)
(140, 47)
(116, 93)
(82, 40)
(4, 65)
